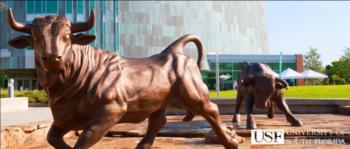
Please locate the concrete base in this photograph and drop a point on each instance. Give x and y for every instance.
(14, 104)
(297, 106)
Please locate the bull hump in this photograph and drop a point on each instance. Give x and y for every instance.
(258, 68)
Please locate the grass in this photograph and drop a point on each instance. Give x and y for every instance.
(321, 91)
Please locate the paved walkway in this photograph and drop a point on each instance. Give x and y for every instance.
(126, 136)
(32, 115)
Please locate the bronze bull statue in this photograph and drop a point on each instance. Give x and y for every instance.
(258, 86)
(91, 90)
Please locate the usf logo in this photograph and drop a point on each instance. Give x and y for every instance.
(267, 136)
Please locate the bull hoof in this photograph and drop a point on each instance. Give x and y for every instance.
(233, 145)
(144, 146)
(188, 118)
(270, 115)
(251, 126)
(236, 119)
(297, 123)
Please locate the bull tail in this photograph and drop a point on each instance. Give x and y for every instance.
(179, 44)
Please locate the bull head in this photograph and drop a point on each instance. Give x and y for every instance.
(52, 37)
(263, 87)
(251, 80)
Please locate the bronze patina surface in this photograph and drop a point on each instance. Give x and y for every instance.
(91, 90)
(257, 86)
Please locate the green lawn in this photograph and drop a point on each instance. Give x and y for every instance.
(325, 91)
(322, 91)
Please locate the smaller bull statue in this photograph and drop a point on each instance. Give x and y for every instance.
(91, 89)
(258, 86)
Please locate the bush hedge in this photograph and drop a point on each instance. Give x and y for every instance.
(34, 96)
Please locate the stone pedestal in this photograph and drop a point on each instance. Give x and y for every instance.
(14, 104)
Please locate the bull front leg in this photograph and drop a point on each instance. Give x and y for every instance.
(55, 137)
(250, 119)
(282, 105)
(99, 124)
(236, 116)
(155, 122)
(271, 109)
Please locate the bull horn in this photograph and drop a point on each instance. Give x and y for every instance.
(284, 83)
(25, 28)
(84, 26)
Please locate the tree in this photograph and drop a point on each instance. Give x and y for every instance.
(312, 61)
(345, 65)
(346, 53)
(339, 71)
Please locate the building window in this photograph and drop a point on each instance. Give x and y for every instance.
(69, 6)
(80, 7)
(38, 7)
(19, 84)
(46, 6)
(30, 6)
(26, 84)
(51, 6)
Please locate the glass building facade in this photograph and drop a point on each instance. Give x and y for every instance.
(19, 63)
(142, 29)
(106, 26)
(230, 65)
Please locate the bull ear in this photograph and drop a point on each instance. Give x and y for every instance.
(21, 42)
(83, 39)
(248, 80)
(281, 84)
(244, 65)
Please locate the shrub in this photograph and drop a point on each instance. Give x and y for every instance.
(34, 96)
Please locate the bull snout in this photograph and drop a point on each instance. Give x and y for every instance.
(53, 59)
(52, 62)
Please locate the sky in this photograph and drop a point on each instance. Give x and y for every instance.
(295, 26)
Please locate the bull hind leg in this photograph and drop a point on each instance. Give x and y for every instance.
(99, 124)
(195, 95)
(155, 122)
(210, 112)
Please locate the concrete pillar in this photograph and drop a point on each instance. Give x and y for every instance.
(115, 26)
(98, 23)
(86, 9)
(109, 25)
(11, 88)
(62, 8)
(74, 11)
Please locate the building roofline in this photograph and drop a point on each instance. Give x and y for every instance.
(252, 58)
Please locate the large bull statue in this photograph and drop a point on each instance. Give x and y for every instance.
(258, 86)
(91, 90)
